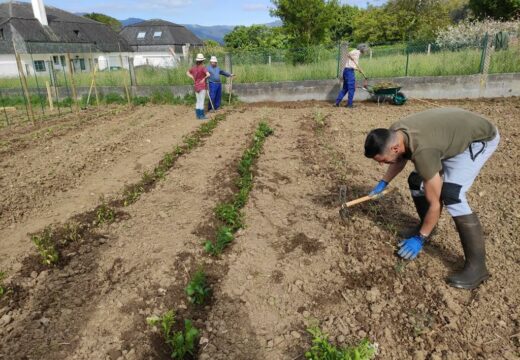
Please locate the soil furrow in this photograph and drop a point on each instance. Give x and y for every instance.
(297, 263)
(68, 174)
(107, 292)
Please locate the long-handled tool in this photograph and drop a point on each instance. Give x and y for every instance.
(343, 211)
(230, 88)
(209, 97)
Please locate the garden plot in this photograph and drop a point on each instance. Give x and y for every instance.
(63, 167)
(295, 264)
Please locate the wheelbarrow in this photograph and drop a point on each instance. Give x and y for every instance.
(393, 95)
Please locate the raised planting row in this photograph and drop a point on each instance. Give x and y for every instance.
(229, 212)
(50, 241)
(183, 341)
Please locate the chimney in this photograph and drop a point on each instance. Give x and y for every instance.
(39, 11)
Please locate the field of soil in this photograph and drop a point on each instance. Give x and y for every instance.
(295, 264)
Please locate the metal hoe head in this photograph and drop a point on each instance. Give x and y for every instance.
(343, 211)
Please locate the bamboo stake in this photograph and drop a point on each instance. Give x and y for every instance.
(25, 88)
(124, 79)
(94, 76)
(72, 83)
(49, 95)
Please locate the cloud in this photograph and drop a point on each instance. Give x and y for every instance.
(251, 7)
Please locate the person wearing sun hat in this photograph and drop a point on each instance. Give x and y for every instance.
(199, 74)
(215, 86)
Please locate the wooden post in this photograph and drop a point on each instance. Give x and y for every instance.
(269, 60)
(49, 95)
(25, 88)
(72, 83)
(429, 48)
(133, 78)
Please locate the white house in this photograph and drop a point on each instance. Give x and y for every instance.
(159, 43)
(44, 35)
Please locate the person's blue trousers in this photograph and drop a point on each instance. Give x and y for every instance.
(215, 93)
(349, 86)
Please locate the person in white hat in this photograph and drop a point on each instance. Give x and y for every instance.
(199, 74)
(215, 86)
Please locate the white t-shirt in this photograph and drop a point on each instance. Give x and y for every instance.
(354, 55)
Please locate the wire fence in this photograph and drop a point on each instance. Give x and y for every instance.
(46, 79)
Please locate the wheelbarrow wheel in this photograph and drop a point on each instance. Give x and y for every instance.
(399, 99)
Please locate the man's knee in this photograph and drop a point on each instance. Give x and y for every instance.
(415, 183)
(455, 199)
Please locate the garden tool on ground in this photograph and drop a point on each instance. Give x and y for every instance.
(344, 211)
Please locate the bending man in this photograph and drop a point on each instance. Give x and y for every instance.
(448, 147)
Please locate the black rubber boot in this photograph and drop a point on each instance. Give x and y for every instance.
(472, 239)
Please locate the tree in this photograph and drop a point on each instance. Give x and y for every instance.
(500, 10)
(255, 37)
(306, 22)
(105, 19)
(343, 22)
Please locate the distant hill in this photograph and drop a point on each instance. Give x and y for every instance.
(215, 32)
(131, 21)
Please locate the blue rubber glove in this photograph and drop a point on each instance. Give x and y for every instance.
(381, 185)
(411, 247)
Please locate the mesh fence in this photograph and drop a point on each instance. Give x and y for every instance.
(48, 79)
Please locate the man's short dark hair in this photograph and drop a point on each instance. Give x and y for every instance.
(376, 142)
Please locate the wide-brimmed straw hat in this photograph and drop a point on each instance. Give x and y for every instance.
(213, 59)
(200, 57)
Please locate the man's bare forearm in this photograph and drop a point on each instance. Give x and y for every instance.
(393, 170)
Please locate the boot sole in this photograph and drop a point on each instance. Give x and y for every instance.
(471, 286)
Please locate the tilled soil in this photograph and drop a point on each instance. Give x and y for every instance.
(295, 264)
(55, 171)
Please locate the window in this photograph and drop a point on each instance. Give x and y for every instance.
(39, 65)
(82, 64)
(2, 34)
(62, 59)
(141, 34)
(76, 32)
(157, 34)
(56, 60)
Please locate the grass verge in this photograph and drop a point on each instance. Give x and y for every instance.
(229, 213)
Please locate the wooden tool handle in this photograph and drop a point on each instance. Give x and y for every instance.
(367, 197)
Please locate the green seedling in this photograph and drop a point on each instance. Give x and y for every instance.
(45, 246)
(105, 214)
(224, 238)
(230, 215)
(2, 288)
(322, 349)
(72, 232)
(132, 193)
(181, 342)
(319, 118)
(198, 289)
(147, 178)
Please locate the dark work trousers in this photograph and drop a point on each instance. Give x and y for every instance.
(215, 92)
(349, 86)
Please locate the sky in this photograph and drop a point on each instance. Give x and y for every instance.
(200, 12)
